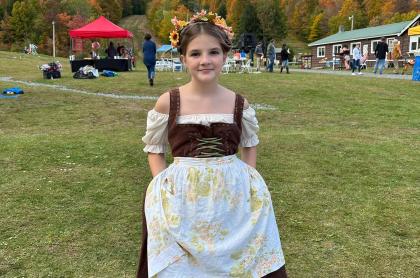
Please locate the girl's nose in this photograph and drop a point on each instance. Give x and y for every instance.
(205, 59)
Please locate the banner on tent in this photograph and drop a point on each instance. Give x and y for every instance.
(77, 44)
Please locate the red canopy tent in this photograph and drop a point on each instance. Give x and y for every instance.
(100, 28)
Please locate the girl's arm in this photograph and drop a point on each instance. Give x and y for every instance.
(249, 156)
(157, 163)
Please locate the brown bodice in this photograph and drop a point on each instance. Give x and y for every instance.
(196, 140)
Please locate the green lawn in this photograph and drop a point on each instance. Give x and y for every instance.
(341, 158)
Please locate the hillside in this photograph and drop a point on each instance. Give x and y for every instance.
(137, 24)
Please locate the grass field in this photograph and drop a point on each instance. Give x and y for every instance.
(341, 159)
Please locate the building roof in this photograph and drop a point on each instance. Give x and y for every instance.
(394, 29)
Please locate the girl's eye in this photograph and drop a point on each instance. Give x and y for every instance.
(214, 52)
(194, 54)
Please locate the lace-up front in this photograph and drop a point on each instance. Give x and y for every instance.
(197, 140)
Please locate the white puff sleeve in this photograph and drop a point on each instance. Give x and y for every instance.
(249, 137)
(156, 138)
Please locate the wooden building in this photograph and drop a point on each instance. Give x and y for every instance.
(326, 50)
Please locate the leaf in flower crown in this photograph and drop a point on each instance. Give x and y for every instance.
(211, 16)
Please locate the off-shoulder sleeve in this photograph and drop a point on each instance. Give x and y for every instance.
(249, 137)
(156, 137)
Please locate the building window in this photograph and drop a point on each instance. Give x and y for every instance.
(320, 50)
(336, 49)
(414, 43)
(373, 45)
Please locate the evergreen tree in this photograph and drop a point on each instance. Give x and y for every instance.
(139, 6)
(2, 12)
(127, 7)
(221, 10)
(272, 20)
(249, 23)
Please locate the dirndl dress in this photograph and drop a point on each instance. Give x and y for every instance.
(209, 216)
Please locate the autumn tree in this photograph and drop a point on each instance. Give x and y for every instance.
(234, 12)
(349, 8)
(315, 29)
(22, 21)
(398, 17)
(300, 19)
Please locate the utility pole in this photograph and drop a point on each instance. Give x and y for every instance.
(53, 24)
(352, 20)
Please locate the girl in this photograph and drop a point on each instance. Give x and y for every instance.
(208, 214)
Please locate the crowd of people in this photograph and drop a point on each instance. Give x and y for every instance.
(354, 59)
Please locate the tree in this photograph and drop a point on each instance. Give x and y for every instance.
(7, 31)
(127, 7)
(221, 10)
(398, 17)
(111, 9)
(139, 6)
(248, 22)
(349, 8)
(315, 29)
(84, 8)
(272, 19)
(301, 16)
(22, 21)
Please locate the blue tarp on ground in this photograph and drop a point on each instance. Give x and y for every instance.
(166, 48)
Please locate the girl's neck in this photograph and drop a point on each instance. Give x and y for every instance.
(203, 88)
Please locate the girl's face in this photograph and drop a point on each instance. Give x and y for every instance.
(204, 58)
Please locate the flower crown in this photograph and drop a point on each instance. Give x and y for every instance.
(202, 16)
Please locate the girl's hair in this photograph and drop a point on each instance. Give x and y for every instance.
(193, 30)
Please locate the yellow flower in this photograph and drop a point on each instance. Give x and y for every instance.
(219, 21)
(174, 38)
(182, 24)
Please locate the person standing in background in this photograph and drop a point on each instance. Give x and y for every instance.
(111, 51)
(149, 57)
(259, 52)
(271, 55)
(356, 59)
(396, 55)
(381, 50)
(284, 54)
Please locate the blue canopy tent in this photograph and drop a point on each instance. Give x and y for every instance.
(166, 48)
